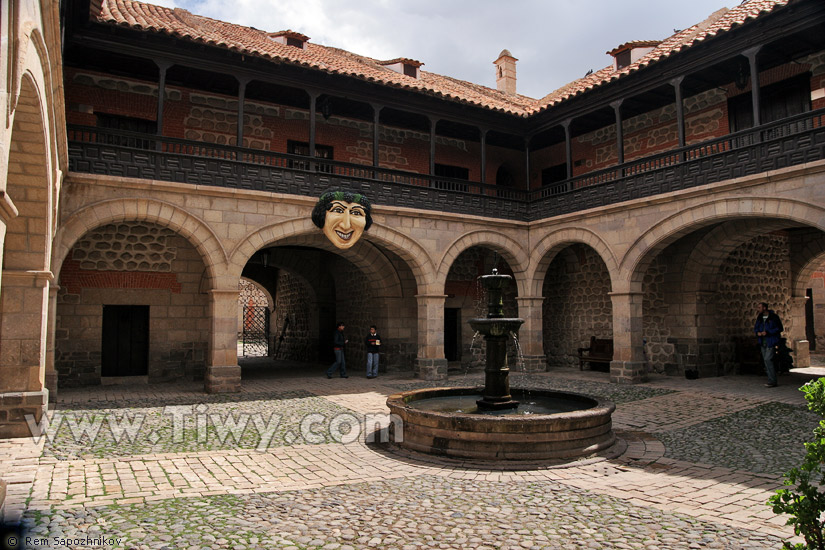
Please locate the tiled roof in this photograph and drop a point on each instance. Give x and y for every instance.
(187, 26)
(634, 44)
(719, 22)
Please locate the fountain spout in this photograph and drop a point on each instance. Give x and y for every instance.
(496, 330)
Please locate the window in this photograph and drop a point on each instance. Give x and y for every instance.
(302, 148)
(777, 101)
(623, 59)
(554, 174)
(453, 172)
(449, 171)
(411, 70)
(129, 124)
(294, 42)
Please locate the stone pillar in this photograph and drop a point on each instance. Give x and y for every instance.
(628, 365)
(751, 54)
(530, 309)
(223, 374)
(430, 364)
(433, 124)
(797, 339)
(24, 306)
(51, 373)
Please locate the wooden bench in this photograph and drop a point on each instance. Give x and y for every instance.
(600, 351)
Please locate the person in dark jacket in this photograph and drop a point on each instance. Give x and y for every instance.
(338, 345)
(768, 329)
(373, 345)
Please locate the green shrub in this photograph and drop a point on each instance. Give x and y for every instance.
(805, 501)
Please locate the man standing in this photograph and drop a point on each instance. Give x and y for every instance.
(373, 345)
(338, 344)
(768, 328)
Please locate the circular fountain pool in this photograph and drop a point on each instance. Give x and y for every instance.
(545, 425)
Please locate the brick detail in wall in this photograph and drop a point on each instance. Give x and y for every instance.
(74, 279)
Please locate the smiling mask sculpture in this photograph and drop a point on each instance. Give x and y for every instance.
(343, 216)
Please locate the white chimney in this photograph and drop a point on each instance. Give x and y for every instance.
(506, 72)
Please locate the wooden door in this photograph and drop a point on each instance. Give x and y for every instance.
(125, 341)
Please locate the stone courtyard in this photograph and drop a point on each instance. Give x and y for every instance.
(695, 464)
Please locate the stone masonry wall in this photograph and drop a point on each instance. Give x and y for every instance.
(757, 271)
(178, 311)
(659, 346)
(299, 342)
(576, 306)
(817, 286)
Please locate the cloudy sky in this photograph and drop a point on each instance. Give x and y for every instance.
(556, 41)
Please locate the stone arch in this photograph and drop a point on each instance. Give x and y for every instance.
(365, 254)
(702, 265)
(551, 244)
(509, 249)
(805, 264)
(265, 291)
(144, 210)
(635, 262)
(28, 185)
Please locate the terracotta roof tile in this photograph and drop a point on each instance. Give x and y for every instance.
(185, 25)
(718, 22)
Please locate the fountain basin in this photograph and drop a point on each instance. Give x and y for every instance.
(567, 434)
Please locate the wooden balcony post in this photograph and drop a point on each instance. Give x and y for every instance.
(680, 113)
(751, 54)
(568, 147)
(483, 132)
(163, 66)
(433, 123)
(617, 108)
(376, 130)
(242, 82)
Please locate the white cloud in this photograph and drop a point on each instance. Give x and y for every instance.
(556, 41)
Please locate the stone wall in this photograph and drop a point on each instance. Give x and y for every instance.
(660, 348)
(95, 274)
(296, 340)
(757, 271)
(576, 306)
(817, 286)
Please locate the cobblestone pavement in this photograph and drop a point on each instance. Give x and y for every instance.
(283, 464)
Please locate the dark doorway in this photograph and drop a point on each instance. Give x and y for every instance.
(125, 341)
(810, 333)
(452, 333)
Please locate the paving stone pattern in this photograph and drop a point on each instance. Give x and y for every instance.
(700, 459)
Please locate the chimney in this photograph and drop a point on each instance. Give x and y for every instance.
(506, 72)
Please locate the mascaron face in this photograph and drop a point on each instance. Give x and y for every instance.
(344, 223)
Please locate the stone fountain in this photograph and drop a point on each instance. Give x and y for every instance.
(488, 423)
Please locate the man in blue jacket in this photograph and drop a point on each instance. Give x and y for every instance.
(768, 329)
(338, 344)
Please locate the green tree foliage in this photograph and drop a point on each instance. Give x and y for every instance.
(804, 502)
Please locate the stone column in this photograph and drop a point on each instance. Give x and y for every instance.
(797, 339)
(51, 373)
(223, 374)
(431, 363)
(628, 365)
(24, 305)
(530, 309)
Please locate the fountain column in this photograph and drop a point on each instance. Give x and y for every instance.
(628, 365)
(430, 364)
(530, 308)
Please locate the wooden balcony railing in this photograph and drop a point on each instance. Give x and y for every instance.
(791, 141)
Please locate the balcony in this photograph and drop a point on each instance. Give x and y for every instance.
(787, 142)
